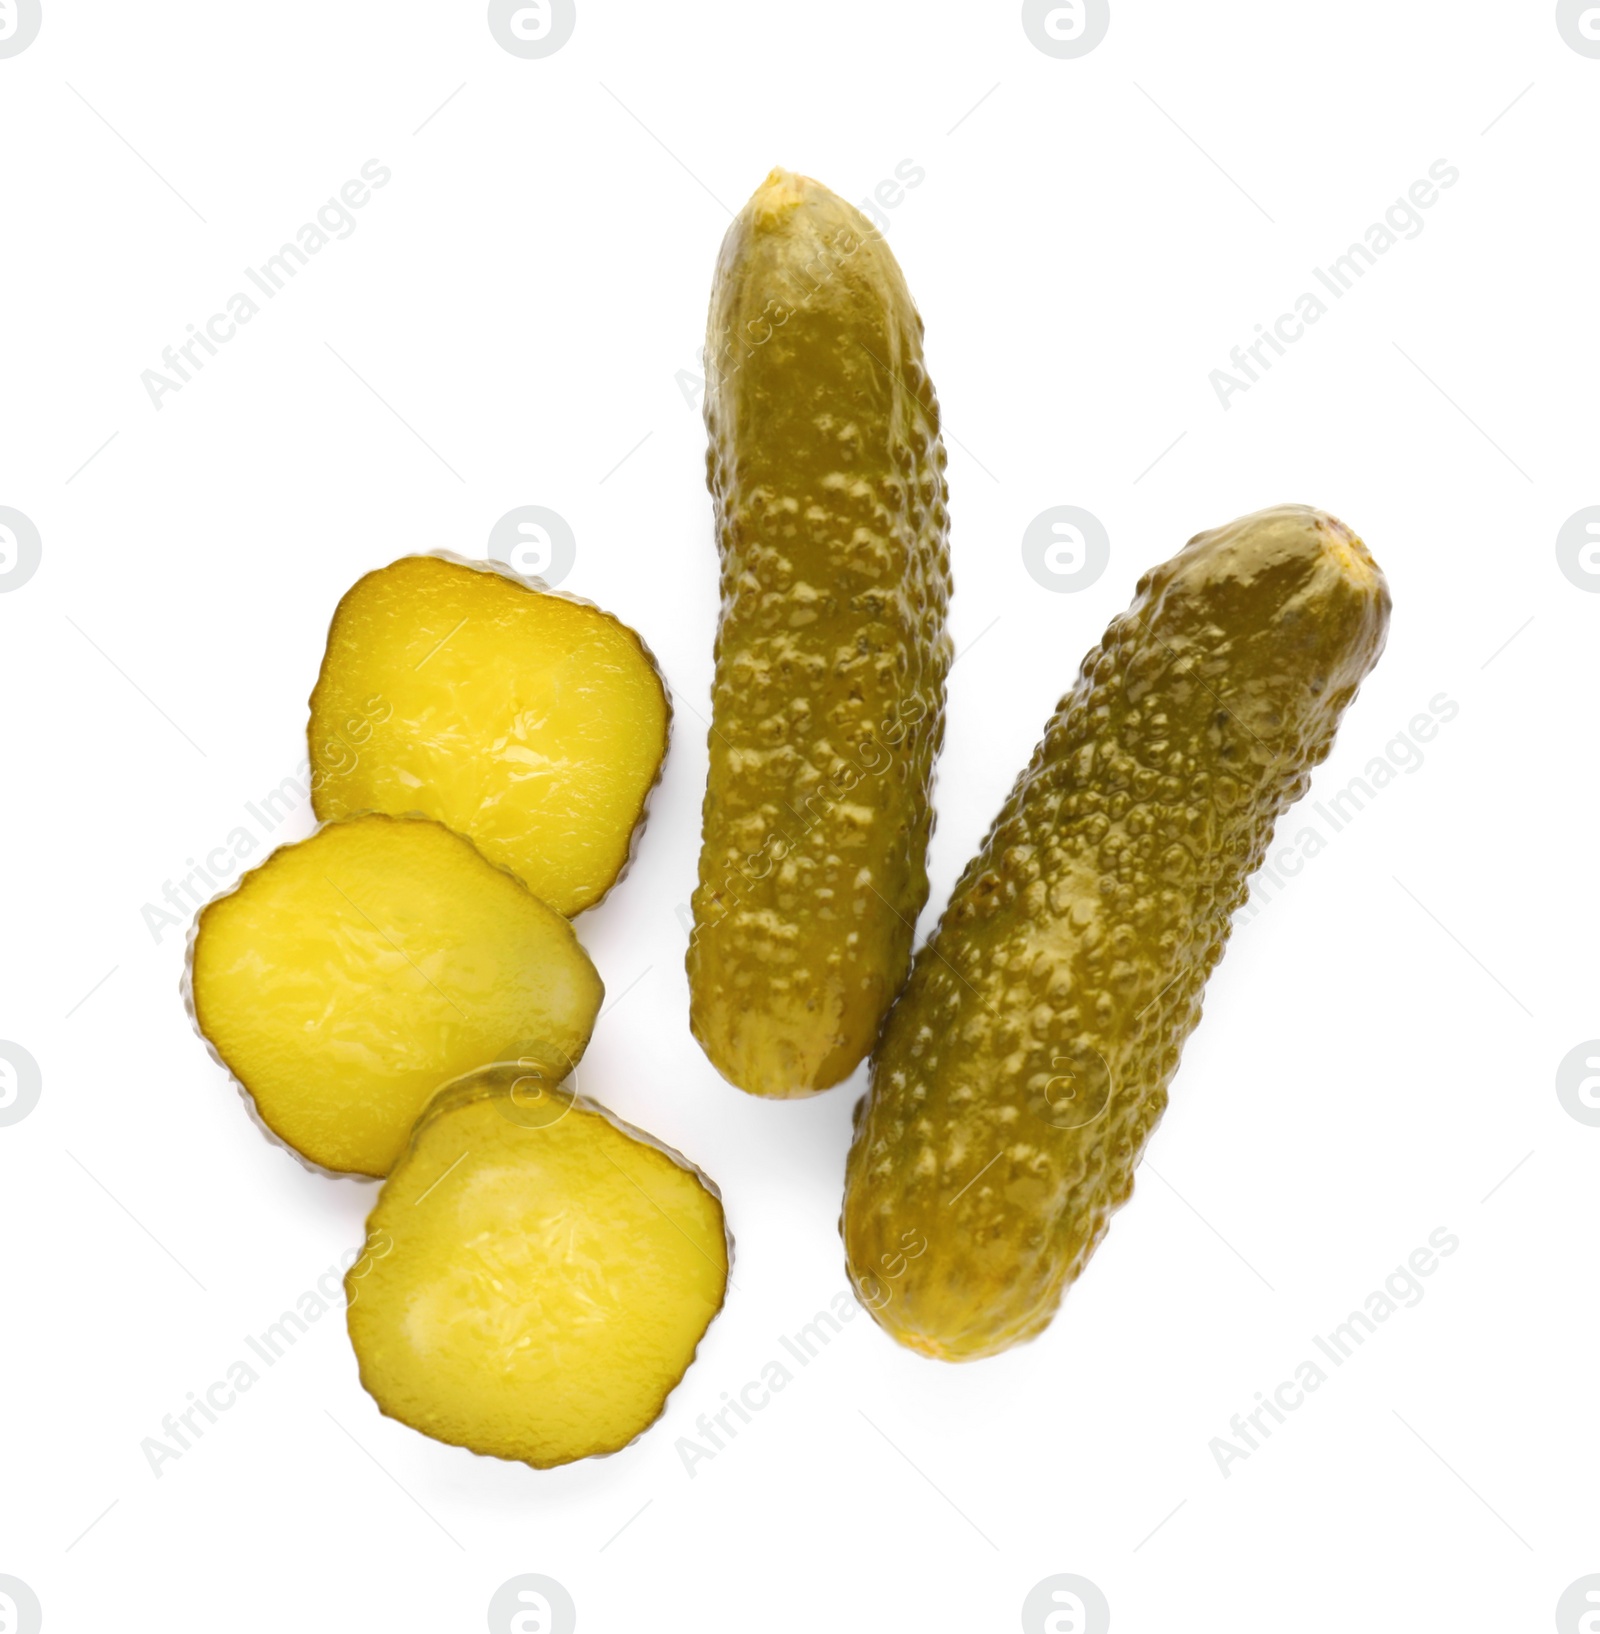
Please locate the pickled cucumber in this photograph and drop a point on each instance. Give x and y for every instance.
(827, 470)
(1028, 1060)
(528, 720)
(538, 1275)
(352, 973)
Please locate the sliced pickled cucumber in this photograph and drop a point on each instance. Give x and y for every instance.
(538, 1274)
(1028, 1060)
(827, 471)
(530, 721)
(352, 973)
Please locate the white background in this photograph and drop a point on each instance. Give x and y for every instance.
(1380, 1046)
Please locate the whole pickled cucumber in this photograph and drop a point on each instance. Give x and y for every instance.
(1028, 1059)
(827, 471)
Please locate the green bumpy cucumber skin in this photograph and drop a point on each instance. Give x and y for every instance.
(827, 471)
(1028, 1059)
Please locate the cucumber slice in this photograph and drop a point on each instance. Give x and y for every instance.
(538, 1275)
(352, 973)
(528, 720)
